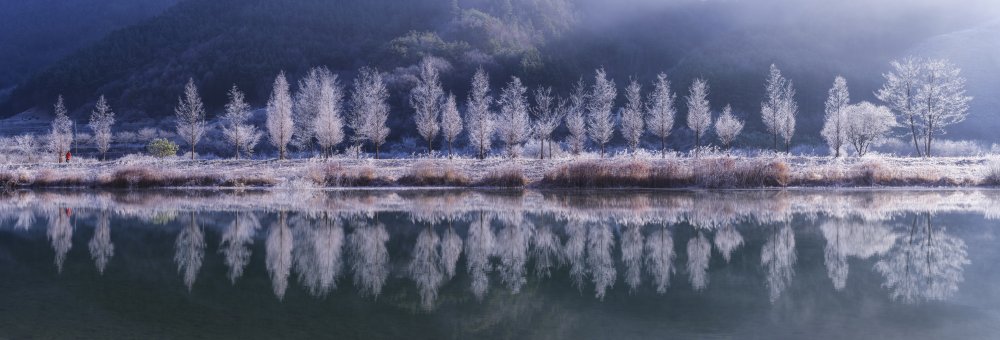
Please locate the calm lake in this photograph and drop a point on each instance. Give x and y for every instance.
(461, 264)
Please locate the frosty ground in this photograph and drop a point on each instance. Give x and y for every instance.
(622, 171)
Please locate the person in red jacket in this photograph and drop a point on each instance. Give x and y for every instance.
(68, 155)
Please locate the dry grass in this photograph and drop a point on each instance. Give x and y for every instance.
(335, 175)
(507, 177)
(729, 172)
(875, 173)
(433, 174)
(714, 172)
(991, 173)
(145, 177)
(618, 174)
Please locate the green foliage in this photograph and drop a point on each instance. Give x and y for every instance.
(161, 147)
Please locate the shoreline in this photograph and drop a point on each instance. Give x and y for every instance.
(623, 172)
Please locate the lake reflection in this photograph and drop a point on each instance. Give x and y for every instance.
(438, 263)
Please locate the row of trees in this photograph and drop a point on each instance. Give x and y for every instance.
(923, 95)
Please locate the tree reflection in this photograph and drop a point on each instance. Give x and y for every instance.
(425, 266)
(575, 252)
(190, 250)
(631, 244)
(101, 248)
(369, 257)
(778, 258)
(845, 239)
(60, 234)
(699, 253)
(479, 247)
(318, 254)
(451, 250)
(925, 264)
(660, 258)
(512, 249)
(600, 241)
(727, 240)
(236, 242)
(546, 251)
(279, 254)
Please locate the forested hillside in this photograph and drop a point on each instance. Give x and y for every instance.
(36, 33)
(731, 43)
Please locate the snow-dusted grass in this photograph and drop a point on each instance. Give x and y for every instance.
(710, 169)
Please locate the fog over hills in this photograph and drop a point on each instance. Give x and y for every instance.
(36, 33)
(142, 68)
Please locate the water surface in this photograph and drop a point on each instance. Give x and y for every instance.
(433, 264)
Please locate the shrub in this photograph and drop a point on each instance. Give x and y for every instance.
(508, 177)
(991, 173)
(433, 174)
(161, 147)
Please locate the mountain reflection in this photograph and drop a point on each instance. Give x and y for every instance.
(467, 241)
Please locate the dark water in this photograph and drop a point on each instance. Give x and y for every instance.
(520, 265)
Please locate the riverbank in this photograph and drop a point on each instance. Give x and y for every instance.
(714, 171)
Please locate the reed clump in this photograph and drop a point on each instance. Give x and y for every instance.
(336, 175)
(507, 177)
(433, 174)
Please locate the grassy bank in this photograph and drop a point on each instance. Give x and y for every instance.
(714, 172)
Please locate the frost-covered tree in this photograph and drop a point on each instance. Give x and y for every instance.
(699, 117)
(927, 96)
(600, 125)
(867, 123)
(900, 93)
(280, 126)
(576, 121)
(632, 124)
(779, 111)
(101, 120)
(728, 127)
(942, 99)
(243, 136)
(451, 122)
(426, 99)
(26, 145)
(329, 124)
(308, 103)
(661, 111)
(61, 134)
(835, 121)
(369, 108)
(480, 120)
(514, 126)
(190, 116)
(547, 117)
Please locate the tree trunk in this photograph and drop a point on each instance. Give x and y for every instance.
(913, 132)
(281, 153)
(429, 147)
(663, 147)
(697, 143)
(376, 150)
(541, 148)
(449, 149)
(602, 150)
(192, 152)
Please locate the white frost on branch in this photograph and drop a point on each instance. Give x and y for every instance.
(728, 127)
(280, 125)
(190, 116)
(632, 115)
(600, 124)
(661, 111)
(835, 121)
